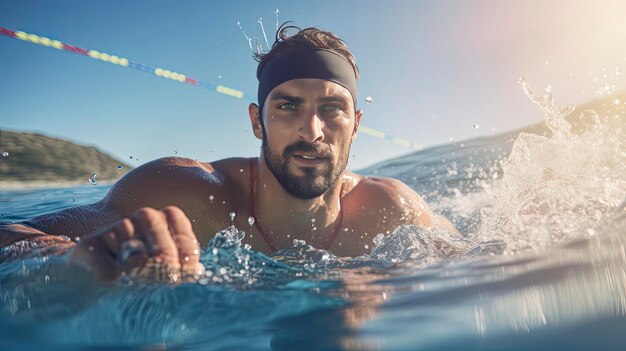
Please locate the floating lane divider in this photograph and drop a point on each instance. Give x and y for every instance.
(171, 75)
(121, 61)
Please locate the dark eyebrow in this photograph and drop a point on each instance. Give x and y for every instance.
(290, 98)
(334, 98)
(296, 99)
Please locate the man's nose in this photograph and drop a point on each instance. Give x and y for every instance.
(311, 128)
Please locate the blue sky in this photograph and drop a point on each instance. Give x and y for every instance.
(433, 68)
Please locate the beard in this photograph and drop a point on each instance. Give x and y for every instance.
(315, 181)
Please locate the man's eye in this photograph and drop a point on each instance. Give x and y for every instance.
(331, 108)
(287, 106)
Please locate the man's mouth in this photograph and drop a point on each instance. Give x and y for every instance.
(309, 159)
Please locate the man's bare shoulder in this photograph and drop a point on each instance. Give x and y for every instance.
(387, 189)
(394, 203)
(171, 181)
(391, 198)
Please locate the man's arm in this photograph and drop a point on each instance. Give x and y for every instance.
(164, 237)
(53, 232)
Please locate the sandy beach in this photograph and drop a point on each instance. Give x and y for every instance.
(12, 185)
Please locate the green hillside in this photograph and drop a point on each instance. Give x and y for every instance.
(36, 157)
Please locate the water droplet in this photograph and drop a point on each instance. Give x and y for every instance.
(222, 271)
(90, 248)
(186, 258)
(251, 221)
(92, 179)
(475, 126)
(175, 152)
(219, 77)
(368, 99)
(615, 102)
(5, 154)
(240, 170)
(196, 251)
(297, 242)
(367, 247)
(130, 157)
(231, 214)
(120, 167)
(312, 220)
(211, 197)
(47, 278)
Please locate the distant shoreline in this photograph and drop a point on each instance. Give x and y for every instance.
(12, 185)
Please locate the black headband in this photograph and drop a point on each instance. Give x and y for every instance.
(306, 63)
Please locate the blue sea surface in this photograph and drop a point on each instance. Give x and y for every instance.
(542, 264)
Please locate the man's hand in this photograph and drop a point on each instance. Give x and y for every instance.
(151, 244)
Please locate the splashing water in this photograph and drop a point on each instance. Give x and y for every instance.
(263, 31)
(5, 154)
(552, 188)
(276, 13)
(248, 39)
(92, 179)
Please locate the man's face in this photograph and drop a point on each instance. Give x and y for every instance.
(308, 127)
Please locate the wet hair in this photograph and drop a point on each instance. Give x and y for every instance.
(304, 38)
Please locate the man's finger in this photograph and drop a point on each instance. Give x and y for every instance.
(151, 225)
(120, 232)
(185, 239)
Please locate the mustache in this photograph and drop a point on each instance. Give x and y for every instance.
(303, 146)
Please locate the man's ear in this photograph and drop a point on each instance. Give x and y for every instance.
(255, 120)
(357, 121)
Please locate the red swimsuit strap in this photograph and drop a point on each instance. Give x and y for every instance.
(268, 239)
(331, 239)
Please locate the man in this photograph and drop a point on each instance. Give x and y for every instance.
(299, 188)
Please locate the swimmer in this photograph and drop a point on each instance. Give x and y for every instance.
(298, 188)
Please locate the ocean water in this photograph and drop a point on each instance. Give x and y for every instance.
(542, 264)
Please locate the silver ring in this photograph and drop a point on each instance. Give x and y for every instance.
(131, 248)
